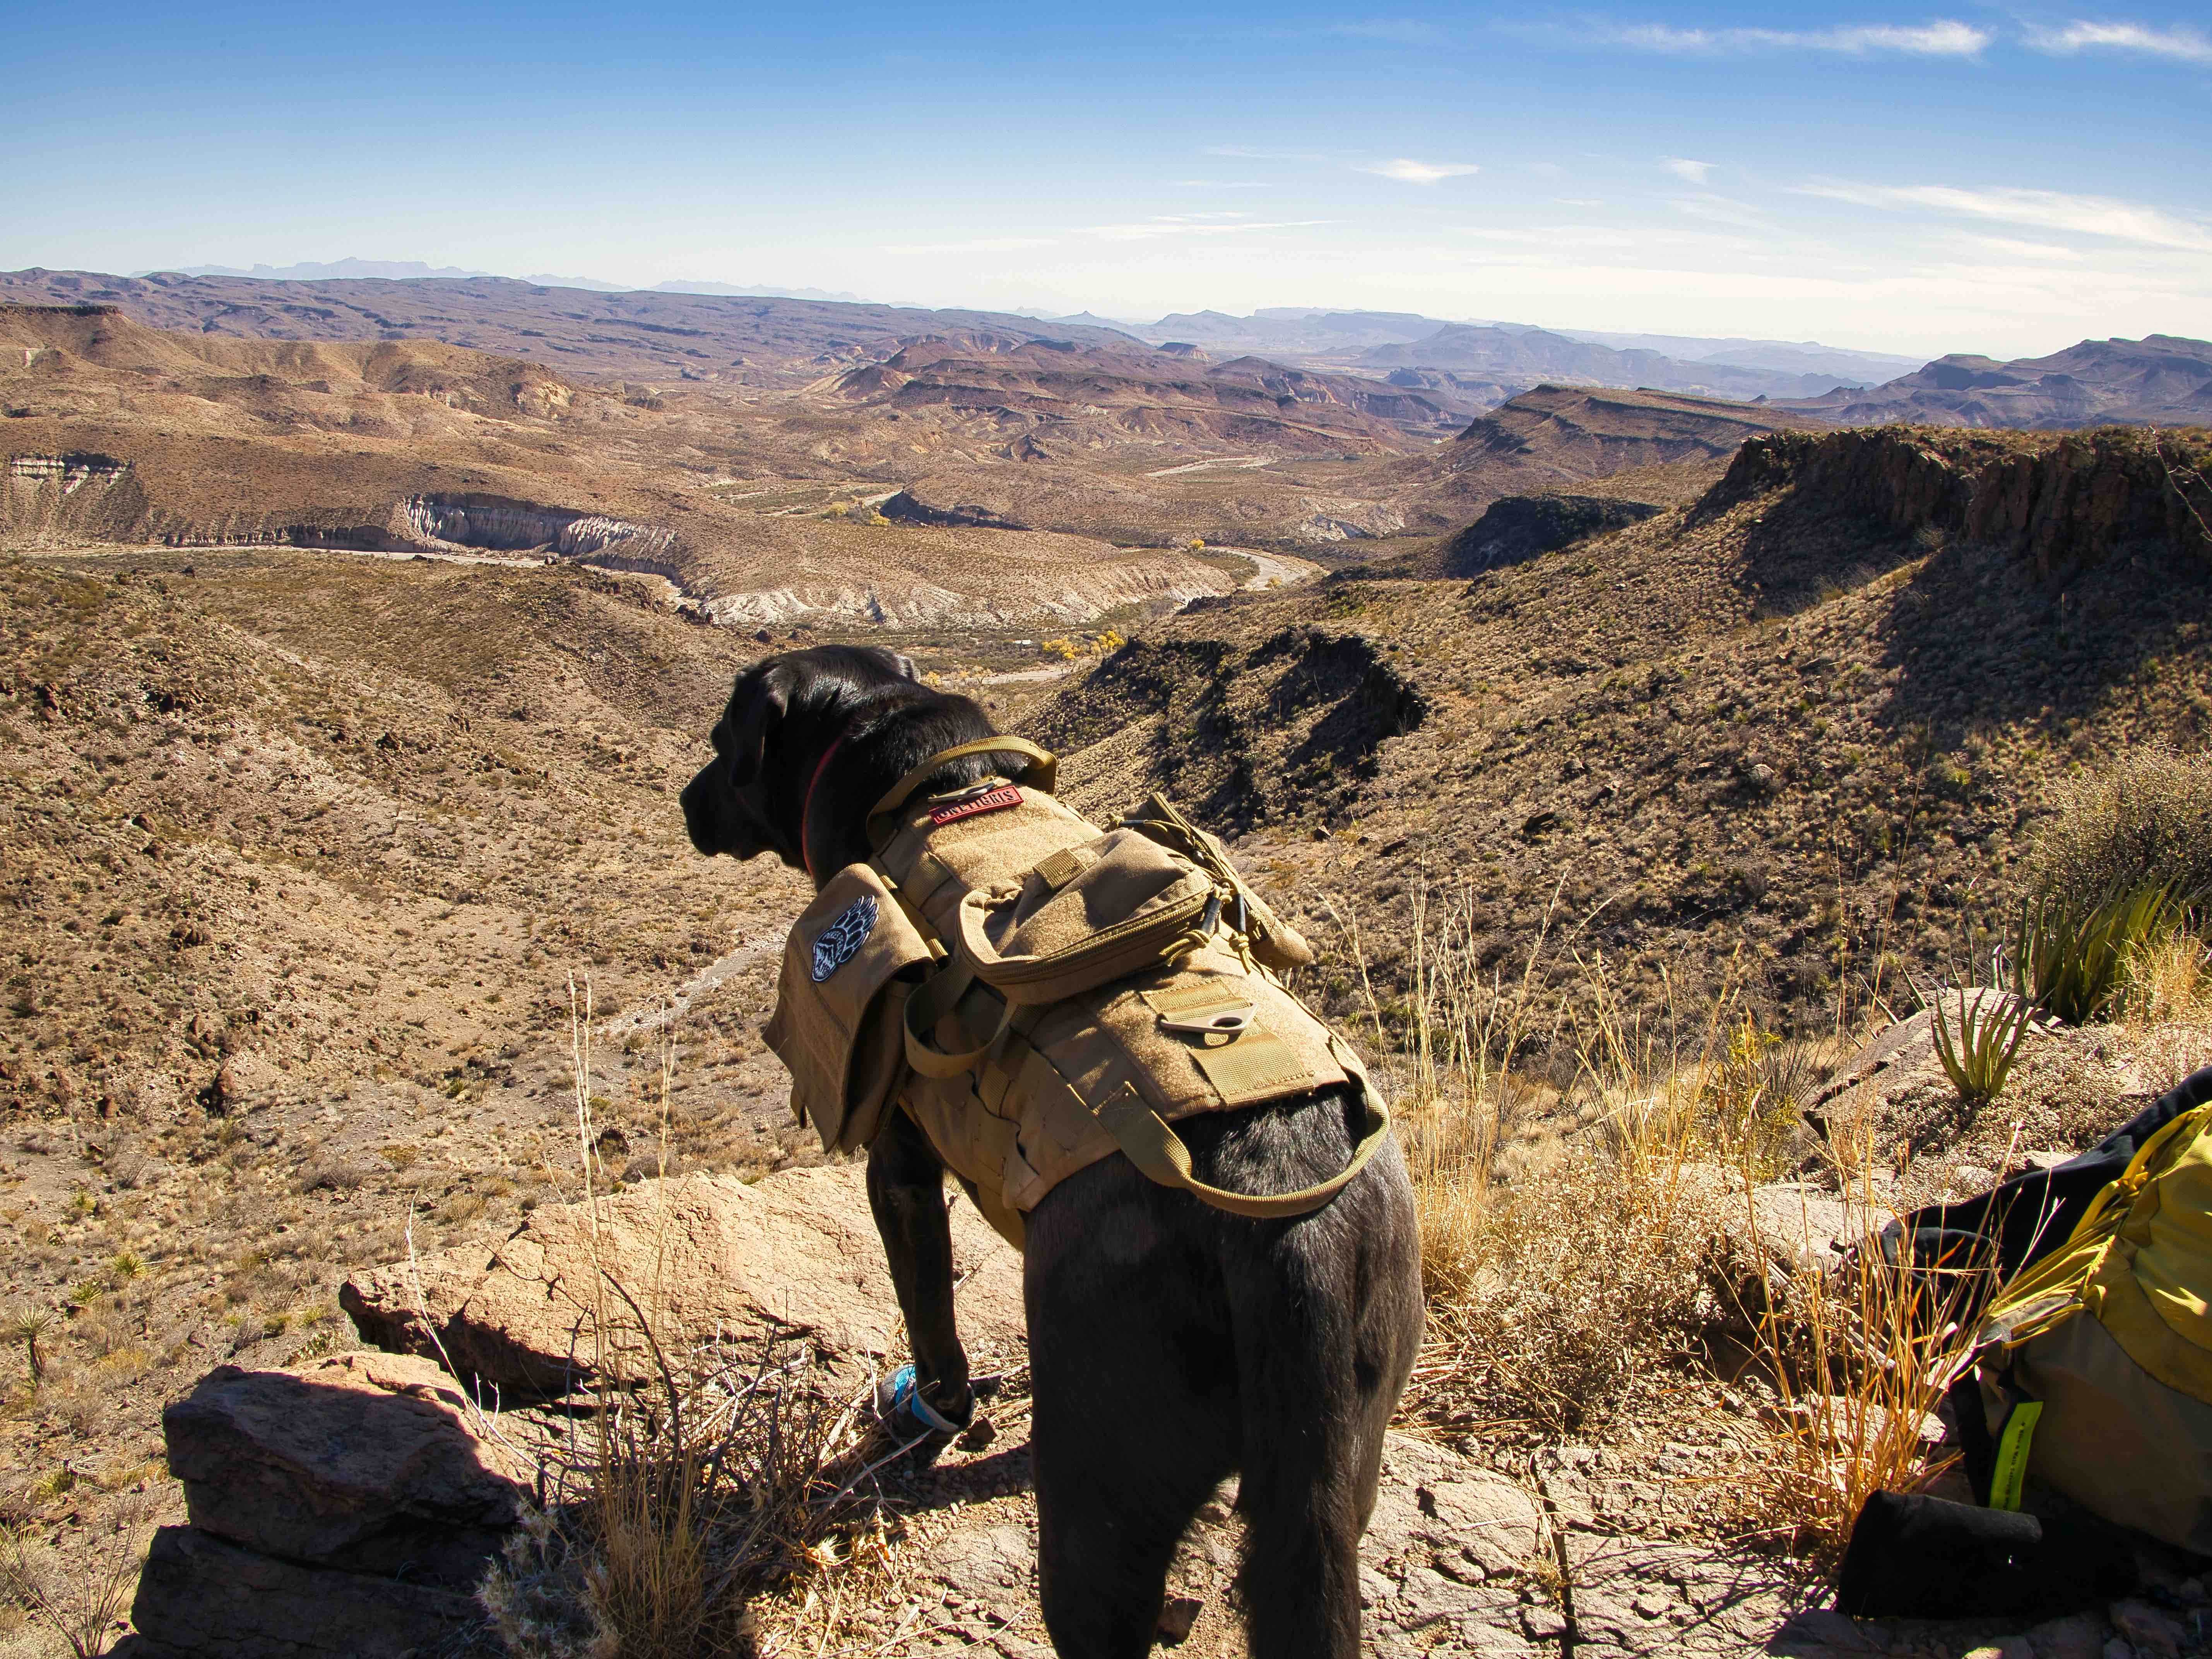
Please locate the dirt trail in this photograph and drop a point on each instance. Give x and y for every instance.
(1275, 569)
(1222, 463)
(750, 954)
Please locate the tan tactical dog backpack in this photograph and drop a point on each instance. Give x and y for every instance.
(1039, 995)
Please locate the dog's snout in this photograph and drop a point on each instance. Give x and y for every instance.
(701, 817)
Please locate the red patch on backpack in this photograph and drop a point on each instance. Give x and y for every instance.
(991, 801)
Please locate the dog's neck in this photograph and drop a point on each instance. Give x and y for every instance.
(852, 766)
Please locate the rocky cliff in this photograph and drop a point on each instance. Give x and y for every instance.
(2059, 505)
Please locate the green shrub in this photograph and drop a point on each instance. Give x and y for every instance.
(2143, 822)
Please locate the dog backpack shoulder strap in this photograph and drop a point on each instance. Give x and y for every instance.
(849, 968)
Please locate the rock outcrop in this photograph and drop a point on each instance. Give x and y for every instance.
(494, 522)
(1243, 729)
(1517, 527)
(909, 505)
(2058, 506)
(794, 1255)
(345, 1507)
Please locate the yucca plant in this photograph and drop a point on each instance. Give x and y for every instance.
(1977, 1055)
(27, 1327)
(2070, 958)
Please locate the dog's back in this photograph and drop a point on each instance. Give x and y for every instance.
(1172, 1343)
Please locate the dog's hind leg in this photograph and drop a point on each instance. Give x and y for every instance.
(1328, 1318)
(905, 1191)
(1134, 1419)
(1109, 1513)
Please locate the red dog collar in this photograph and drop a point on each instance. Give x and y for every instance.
(807, 808)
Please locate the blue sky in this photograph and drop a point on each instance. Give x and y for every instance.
(1947, 178)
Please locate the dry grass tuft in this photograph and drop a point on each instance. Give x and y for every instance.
(708, 1475)
(84, 1605)
(1857, 1361)
(1567, 1241)
(1596, 1256)
(2169, 980)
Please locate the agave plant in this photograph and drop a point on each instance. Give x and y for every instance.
(1977, 1054)
(2070, 958)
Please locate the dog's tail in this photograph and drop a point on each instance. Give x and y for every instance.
(1328, 1315)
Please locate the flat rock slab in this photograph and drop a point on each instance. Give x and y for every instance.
(794, 1255)
(368, 1462)
(1447, 1564)
(201, 1595)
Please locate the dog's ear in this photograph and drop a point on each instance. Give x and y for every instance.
(906, 667)
(753, 714)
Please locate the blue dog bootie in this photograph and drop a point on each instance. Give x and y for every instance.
(909, 1419)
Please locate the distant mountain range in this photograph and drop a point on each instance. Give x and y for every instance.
(1531, 356)
(1495, 360)
(742, 338)
(2159, 380)
(404, 270)
(708, 331)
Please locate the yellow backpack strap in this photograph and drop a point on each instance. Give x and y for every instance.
(2014, 1445)
(1146, 1140)
(1043, 771)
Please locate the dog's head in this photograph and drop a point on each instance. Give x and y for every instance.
(783, 714)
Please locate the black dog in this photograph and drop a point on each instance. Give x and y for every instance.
(1170, 1344)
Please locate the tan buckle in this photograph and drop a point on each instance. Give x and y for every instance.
(1220, 1020)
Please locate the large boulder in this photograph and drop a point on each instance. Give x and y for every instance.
(794, 1255)
(345, 1507)
(199, 1595)
(367, 1461)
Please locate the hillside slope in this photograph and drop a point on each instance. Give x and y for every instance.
(1794, 732)
(301, 852)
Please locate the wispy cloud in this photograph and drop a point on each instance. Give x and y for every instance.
(2049, 210)
(1943, 37)
(1396, 31)
(2182, 44)
(1556, 236)
(1420, 173)
(1696, 172)
(979, 245)
(2013, 248)
(1194, 224)
(1247, 153)
(1721, 211)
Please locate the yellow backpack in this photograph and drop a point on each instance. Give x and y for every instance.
(2095, 1366)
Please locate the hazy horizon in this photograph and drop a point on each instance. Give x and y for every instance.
(1906, 182)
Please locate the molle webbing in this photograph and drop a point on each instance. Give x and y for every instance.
(1056, 993)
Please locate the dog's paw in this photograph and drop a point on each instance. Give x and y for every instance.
(912, 1422)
